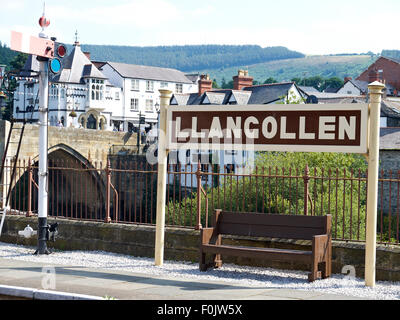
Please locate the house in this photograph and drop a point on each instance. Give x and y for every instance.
(243, 93)
(80, 95)
(139, 90)
(98, 95)
(385, 70)
(354, 87)
(360, 87)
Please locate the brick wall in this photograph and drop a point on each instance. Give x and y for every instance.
(391, 71)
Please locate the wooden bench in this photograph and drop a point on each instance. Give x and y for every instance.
(314, 228)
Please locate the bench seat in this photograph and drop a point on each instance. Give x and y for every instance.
(269, 253)
(314, 228)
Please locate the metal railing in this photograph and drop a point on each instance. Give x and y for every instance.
(125, 192)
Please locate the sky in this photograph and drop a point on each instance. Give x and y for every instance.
(310, 26)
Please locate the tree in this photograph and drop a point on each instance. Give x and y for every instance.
(215, 84)
(270, 80)
(19, 61)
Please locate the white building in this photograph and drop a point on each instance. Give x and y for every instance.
(103, 96)
(139, 94)
(243, 93)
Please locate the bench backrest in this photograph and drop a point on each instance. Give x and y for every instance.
(271, 225)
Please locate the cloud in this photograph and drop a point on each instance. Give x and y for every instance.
(139, 13)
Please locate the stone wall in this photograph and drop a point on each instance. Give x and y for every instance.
(182, 245)
(94, 145)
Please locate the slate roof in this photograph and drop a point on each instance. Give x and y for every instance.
(390, 109)
(268, 93)
(331, 90)
(262, 94)
(308, 90)
(76, 67)
(31, 67)
(362, 85)
(389, 139)
(149, 73)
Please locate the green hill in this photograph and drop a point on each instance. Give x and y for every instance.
(223, 61)
(190, 58)
(284, 70)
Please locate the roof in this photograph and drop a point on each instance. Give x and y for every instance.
(31, 67)
(331, 90)
(390, 58)
(149, 72)
(362, 85)
(194, 77)
(389, 139)
(262, 94)
(76, 67)
(308, 90)
(390, 109)
(268, 93)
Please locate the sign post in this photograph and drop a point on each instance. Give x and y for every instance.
(375, 90)
(162, 177)
(351, 128)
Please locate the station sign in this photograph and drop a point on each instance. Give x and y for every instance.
(299, 128)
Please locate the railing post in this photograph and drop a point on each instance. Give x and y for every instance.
(306, 179)
(30, 178)
(108, 193)
(198, 176)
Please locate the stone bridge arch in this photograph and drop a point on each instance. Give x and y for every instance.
(76, 189)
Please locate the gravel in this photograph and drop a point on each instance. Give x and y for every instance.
(229, 273)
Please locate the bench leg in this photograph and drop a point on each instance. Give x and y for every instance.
(217, 261)
(315, 274)
(327, 268)
(202, 264)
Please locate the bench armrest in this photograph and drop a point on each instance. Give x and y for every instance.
(206, 234)
(321, 247)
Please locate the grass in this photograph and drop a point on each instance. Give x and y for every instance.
(285, 70)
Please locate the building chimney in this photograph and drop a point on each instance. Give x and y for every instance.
(242, 80)
(347, 79)
(205, 84)
(373, 76)
(87, 54)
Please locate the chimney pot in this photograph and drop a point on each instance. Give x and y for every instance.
(205, 84)
(242, 80)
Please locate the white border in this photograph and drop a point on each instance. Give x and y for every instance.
(362, 148)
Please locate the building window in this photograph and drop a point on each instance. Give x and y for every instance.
(135, 84)
(149, 85)
(134, 104)
(149, 105)
(117, 96)
(164, 85)
(179, 88)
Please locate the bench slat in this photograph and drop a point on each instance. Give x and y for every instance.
(269, 231)
(271, 253)
(273, 219)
